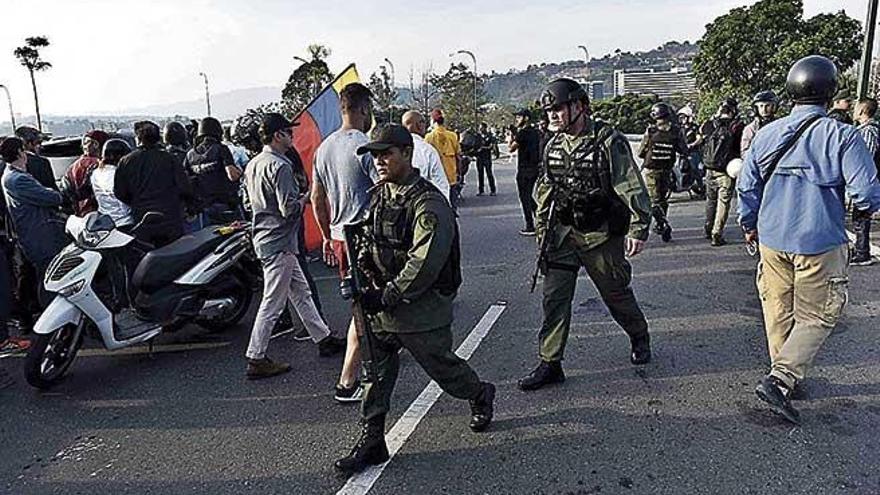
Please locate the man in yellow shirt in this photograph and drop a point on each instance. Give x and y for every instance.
(447, 145)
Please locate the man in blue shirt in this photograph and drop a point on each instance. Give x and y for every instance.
(797, 209)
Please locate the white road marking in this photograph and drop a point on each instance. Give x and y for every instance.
(361, 483)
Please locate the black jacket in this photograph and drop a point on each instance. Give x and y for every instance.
(206, 166)
(41, 169)
(150, 179)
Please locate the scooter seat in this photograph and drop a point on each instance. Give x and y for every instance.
(161, 266)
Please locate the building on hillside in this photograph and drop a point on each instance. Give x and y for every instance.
(664, 84)
(595, 89)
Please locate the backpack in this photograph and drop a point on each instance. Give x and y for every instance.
(718, 147)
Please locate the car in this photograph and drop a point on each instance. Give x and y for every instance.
(63, 151)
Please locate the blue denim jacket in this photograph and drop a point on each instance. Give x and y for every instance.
(34, 212)
(801, 208)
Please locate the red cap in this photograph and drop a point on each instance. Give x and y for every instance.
(98, 135)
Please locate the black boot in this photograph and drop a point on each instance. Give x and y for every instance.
(369, 450)
(482, 409)
(666, 235)
(775, 393)
(545, 374)
(707, 231)
(641, 350)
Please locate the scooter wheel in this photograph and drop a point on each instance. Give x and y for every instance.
(50, 355)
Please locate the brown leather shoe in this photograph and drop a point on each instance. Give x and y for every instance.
(265, 368)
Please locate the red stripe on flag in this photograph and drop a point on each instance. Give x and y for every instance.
(306, 139)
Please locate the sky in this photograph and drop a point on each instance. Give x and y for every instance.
(109, 56)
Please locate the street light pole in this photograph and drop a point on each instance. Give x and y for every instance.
(207, 94)
(391, 103)
(474, 58)
(11, 113)
(867, 49)
(586, 59)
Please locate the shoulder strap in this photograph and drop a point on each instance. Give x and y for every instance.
(788, 146)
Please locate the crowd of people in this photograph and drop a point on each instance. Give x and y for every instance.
(582, 194)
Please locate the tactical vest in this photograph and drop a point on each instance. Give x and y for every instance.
(583, 180)
(392, 222)
(214, 186)
(661, 149)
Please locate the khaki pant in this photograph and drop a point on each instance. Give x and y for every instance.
(284, 283)
(719, 194)
(802, 297)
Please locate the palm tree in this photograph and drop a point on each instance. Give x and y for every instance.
(29, 57)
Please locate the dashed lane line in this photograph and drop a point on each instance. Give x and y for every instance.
(361, 483)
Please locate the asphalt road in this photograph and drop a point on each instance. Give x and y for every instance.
(185, 421)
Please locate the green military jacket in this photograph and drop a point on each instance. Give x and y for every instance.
(421, 306)
(625, 179)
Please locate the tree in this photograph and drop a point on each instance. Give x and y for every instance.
(307, 80)
(424, 94)
(456, 89)
(629, 113)
(751, 49)
(29, 57)
(383, 91)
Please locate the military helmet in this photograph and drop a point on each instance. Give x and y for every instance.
(209, 126)
(812, 80)
(661, 111)
(765, 97)
(175, 134)
(561, 91)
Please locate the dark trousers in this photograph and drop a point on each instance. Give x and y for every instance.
(525, 186)
(433, 351)
(484, 166)
(5, 291)
(26, 287)
(862, 229)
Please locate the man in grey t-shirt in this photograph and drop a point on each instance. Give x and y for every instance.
(340, 195)
(277, 206)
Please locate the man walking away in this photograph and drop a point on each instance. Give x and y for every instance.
(721, 138)
(214, 174)
(526, 141)
(791, 193)
(425, 156)
(869, 128)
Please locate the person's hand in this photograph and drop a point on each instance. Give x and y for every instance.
(751, 236)
(329, 256)
(634, 246)
(233, 173)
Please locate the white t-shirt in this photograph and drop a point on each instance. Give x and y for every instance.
(102, 186)
(427, 160)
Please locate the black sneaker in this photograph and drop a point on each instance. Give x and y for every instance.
(640, 351)
(369, 450)
(772, 391)
(861, 261)
(482, 409)
(353, 393)
(545, 374)
(331, 346)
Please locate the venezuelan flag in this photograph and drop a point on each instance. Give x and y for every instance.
(320, 118)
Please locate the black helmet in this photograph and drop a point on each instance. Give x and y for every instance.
(661, 111)
(209, 126)
(766, 97)
(114, 149)
(561, 91)
(812, 80)
(175, 134)
(729, 105)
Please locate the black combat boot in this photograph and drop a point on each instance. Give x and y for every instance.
(545, 374)
(775, 393)
(641, 350)
(369, 450)
(666, 235)
(482, 409)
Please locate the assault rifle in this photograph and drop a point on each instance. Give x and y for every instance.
(541, 261)
(353, 287)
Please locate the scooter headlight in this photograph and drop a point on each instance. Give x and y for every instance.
(72, 289)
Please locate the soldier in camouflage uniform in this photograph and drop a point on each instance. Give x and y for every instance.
(413, 264)
(601, 214)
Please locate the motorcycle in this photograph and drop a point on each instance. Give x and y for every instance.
(124, 292)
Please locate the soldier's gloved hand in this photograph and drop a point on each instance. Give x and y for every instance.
(371, 301)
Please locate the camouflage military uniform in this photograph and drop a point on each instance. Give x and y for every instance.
(599, 247)
(415, 256)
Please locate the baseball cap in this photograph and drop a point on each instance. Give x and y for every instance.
(274, 122)
(98, 135)
(387, 136)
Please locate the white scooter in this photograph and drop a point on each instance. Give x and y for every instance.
(112, 285)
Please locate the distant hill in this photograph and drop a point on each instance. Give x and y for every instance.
(227, 105)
